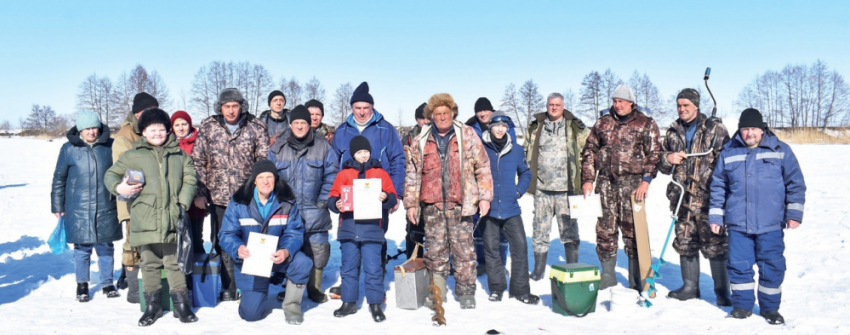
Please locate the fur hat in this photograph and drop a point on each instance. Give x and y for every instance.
(483, 104)
(143, 101)
(438, 100)
(751, 117)
(315, 103)
(623, 92)
(359, 143)
(361, 93)
(154, 116)
(690, 94)
(299, 113)
(87, 119)
(182, 115)
(229, 95)
(420, 111)
(274, 94)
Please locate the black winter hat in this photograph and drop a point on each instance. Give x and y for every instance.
(420, 111)
(263, 165)
(143, 101)
(361, 93)
(483, 104)
(315, 103)
(750, 117)
(299, 113)
(274, 94)
(154, 116)
(690, 94)
(359, 143)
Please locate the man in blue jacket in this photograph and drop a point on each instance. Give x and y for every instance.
(266, 204)
(757, 190)
(382, 135)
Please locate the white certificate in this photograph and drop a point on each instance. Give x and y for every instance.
(367, 206)
(260, 263)
(591, 207)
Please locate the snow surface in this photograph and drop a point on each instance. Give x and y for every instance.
(37, 288)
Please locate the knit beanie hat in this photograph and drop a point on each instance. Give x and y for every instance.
(87, 119)
(143, 101)
(420, 111)
(493, 116)
(315, 103)
(751, 117)
(299, 113)
(623, 92)
(182, 115)
(263, 165)
(359, 143)
(154, 116)
(483, 104)
(361, 93)
(690, 94)
(274, 94)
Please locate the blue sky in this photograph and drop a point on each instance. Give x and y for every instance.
(409, 50)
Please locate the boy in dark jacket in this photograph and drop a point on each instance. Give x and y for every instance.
(361, 240)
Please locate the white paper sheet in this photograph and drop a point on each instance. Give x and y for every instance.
(367, 206)
(261, 246)
(585, 208)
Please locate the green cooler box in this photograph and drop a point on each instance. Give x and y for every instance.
(167, 305)
(574, 288)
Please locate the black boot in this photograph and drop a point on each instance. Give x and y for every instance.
(773, 317)
(153, 308)
(539, 266)
(183, 307)
(110, 292)
(347, 308)
(634, 274)
(377, 313)
(571, 252)
(335, 292)
(528, 299)
(83, 292)
(609, 275)
(228, 285)
(740, 313)
(721, 282)
(133, 285)
(690, 277)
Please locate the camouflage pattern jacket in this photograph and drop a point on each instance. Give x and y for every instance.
(223, 160)
(621, 146)
(475, 175)
(575, 134)
(695, 172)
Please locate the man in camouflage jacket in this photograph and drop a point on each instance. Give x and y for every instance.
(695, 133)
(227, 145)
(624, 149)
(555, 139)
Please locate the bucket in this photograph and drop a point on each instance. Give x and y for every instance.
(623, 297)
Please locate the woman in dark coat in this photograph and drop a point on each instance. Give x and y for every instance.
(91, 219)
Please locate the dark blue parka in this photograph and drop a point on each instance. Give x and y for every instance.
(310, 172)
(506, 166)
(386, 146)
(79, 191)
(473, 122)
(756, 191)
(242, 217)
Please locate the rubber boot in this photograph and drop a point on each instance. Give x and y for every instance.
(346, 309)
(690, 277)
(133, 285)
(773, 317)
(111, 292)
(440, 282)
(609, 274)
(634, 274)
(83, 292)
(335, 292)
(539, 266)
(377, 313)
(467, 301)
(182, 307)
(228, 293)
(292, 303)
(571, 252)
(314, 286)
(153, 308)
(721, 282)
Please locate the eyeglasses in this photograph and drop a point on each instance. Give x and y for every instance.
(501, 118)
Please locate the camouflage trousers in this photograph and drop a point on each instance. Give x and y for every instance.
(616, 213)
(447, 232)
(546, 205)
(693, 234)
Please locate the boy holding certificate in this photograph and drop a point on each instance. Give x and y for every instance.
(263, 210)
(361, 239)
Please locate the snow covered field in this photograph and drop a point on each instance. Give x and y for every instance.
(37, 287)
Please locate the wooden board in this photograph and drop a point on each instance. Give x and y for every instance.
(642, 240)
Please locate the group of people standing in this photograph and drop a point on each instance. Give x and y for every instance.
(282, 172)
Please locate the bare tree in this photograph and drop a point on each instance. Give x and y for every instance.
(530, 102)
(123, 97)
(156, 87)
(339, 106)
(39, 119)
(510, 105)
(262, 83)
(292, 90)
(609, 82)
(313, 90)
(203, 93)
(570, 100)
(646, 95)
(592, 96)
(5, 126)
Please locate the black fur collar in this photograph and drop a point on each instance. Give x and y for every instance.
(282, 192)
